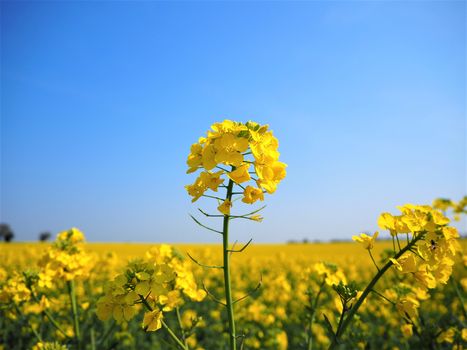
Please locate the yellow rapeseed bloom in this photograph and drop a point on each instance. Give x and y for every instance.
(237, 145)
(252, 194)
(152, 320)
(224, 208)
(240, 174)
(367, 241)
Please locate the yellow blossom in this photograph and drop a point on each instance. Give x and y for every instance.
(252, 194)
(367, 241)
(407, 331)
(224, 208)
(152, 320)
(240, 174)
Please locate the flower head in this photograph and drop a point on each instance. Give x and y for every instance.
(245, 152)
(367, 241)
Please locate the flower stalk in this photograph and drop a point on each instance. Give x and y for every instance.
(226, 267)
(346, 321)
(172, 335)
(314, 307)
(74, 310)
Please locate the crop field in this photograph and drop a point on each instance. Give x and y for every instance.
(275, 316)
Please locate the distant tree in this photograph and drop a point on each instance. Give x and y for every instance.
(44, 236)
(6, 233)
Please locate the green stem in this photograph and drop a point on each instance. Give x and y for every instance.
(398, 242)
(173, 336)
(106, 335)
(312, 316)
(74, 309)
(18, 310)
(341, 319)
(373, 259)
(48, 315)
(227, 284)
(383, 297)
(93, 340)
(459, 295)
(167, 328)
(214, 197)
(181, 327)
(345, 323)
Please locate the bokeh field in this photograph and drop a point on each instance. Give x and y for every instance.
(274, 316)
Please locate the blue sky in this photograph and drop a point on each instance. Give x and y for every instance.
(100, 102)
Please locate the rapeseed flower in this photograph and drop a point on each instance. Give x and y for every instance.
(367, 241)
(240, 146)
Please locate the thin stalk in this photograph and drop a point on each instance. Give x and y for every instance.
(383, 297)
(341, 319)
(167, 328)
(173, 336)
(227, 282)
(214, 197)
(74, 309)
(312, 316)
(38, 336)
(345, 323)
(48, 315)
(459, 295)
(106, 335)
(93, 340)
(398, 242)
(373, 259)
(179, 319)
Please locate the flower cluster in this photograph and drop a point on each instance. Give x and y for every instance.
(251, 152)
(65, 259)
(331, 273)
(14, 290)
(156, 282)
(433, 247)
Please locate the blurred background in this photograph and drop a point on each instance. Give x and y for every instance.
(100, 102)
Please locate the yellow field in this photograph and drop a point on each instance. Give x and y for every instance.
(274, 316)
(340, 253)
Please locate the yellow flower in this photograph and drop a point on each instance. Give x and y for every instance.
(224, 208)
(408, 307)
(257, 218)
(211, 180)
(252, 194)
(406, 263)
(331, 273)
(195, 159)
(387, 222)
(209, 157)
(447, 336)
(152, 320)
(230, 149)
(240, 174)
(73, 235)
(406, 330)
(424, 277)
(239, 145)
(196, 190)
(367, 241)
(171, 300)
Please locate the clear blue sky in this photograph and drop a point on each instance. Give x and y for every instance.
(100, 102)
